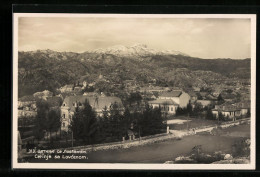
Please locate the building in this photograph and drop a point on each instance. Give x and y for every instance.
(193, 96)
(64, 95)
(232, 111)
(170, 101)
(98, 103)
(67, 88)
(43, 95)
(178, 96)
(154, 89)
(27, 106)
(229, 111)
(166, 105)
(204, 103)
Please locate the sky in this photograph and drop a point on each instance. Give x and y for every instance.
(204, 38)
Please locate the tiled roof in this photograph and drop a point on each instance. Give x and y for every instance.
(171, 94)
(226, 107)
(97, 103)
(163, 101)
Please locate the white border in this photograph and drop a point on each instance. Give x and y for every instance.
(16, 165)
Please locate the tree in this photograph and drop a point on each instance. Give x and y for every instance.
(189, 108)
(116, 122)
(53, 122)
(221, 117)
(248, 114)
(41, 119)
(220, 99)
(84, 124)
(197, 109)
(209, 115)
(179, 111)
(134, 98)
(151, 121)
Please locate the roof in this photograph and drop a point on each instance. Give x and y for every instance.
(176, 93)
(43, 93)
(163, 101)
(54, 101)
(27, 98)
(204, 102)
(97, 103)
(91, 93)
(243, 104)
(64, 95)
(226, 107)
(203, 94)
(153, 88)
(192, 94)
(68, 86)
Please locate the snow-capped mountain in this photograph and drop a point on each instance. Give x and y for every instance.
(136, 50)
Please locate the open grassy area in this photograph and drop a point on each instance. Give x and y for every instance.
(192, 123)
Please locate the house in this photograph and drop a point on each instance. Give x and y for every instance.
(98, 103)
(27, 106)
(244, 106)
(204, 103)
(178, 96)
(196, 89)
(170, 101)
(84, 84)
(193, 96)
(227, 110)
(232, 110)
(67, 88)
(64, 95)
(167, 105)
(154, 89)
(43, 95)
(90, 94)
(77, 89)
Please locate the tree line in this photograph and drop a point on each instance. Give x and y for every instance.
(113, 125)
(91, 128)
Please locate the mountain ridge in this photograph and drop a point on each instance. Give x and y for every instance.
(48, 69)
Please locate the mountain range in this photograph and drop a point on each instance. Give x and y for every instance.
(47, 69)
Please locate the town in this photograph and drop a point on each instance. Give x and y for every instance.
(56, 120)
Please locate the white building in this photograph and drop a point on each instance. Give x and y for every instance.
(178, 96)
(171, 100)
(98, 103)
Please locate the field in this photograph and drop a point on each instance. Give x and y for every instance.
(184, 123)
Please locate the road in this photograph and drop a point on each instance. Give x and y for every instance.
(162, 151)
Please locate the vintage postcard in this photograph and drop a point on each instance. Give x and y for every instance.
(134, 91)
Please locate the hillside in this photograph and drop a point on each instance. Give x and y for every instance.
(47, 69)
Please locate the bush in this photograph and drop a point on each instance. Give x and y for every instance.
(241, 148)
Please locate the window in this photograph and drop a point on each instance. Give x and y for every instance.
(168, 108)
(64, 104)
(171, 108)
(63, 124)
(63, 115)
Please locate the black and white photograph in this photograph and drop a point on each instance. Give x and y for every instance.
(134, 91)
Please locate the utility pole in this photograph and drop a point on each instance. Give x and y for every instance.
(188, 121)
(72, 138)
(139, 134)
